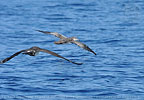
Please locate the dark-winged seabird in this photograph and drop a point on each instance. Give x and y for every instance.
(35, 50)
(64, 39)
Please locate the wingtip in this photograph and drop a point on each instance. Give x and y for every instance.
(43, 31)
(93, 52)
(77, 63)
(38, 30)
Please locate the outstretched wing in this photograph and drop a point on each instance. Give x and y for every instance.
(83, 46)
(57, 55)
(53, 33)
(7, 59)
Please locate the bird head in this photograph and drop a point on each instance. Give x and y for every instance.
(32, 51)
(75, 39)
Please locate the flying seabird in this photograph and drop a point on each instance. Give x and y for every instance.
(64, 39)
(35, 50)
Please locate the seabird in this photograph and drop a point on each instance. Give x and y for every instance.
(64, 39)
(33, 51)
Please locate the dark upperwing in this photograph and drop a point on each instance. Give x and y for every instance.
(12, 56)
(53, 33)
(82, 45)
(57, 55)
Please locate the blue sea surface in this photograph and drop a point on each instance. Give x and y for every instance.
(114, 29)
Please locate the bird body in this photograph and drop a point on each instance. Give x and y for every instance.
(33, 51)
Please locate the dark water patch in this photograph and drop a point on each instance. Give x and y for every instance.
(88, 10)
(81, 30)
(79, 91)
(82, 4)
(107, 94)
(112, 41)
(53, 6)
(127, 24)
(11, 84)
(58, 79)
(59, 19)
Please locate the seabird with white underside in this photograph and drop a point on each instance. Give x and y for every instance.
(64, 39)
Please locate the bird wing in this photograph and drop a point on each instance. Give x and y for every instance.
(53, 33)
(57, 55)
(82, 45)
(7, 59)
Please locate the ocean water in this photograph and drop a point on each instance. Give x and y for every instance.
(114, 29)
